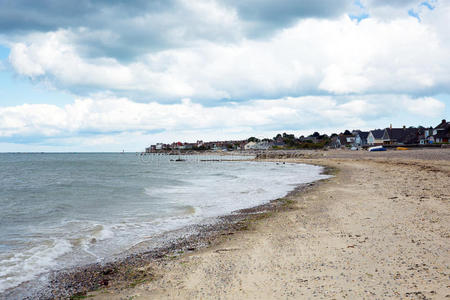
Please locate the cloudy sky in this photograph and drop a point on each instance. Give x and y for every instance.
(108, 75)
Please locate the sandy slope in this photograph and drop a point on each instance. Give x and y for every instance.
(379, 229)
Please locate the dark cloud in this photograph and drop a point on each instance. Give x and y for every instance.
(48, 15)
(100, 28)
(126, 29)
(280, 13)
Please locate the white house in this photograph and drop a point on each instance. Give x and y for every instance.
(375, 137)
(256, 146)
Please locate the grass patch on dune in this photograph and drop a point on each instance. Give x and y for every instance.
(287, 203)
(262, 215)
(138, 281)
(136, 276)
(250, 221)
(330, 170)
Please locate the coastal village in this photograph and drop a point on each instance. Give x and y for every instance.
(354, 140)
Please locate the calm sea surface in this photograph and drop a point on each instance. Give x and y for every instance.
(59, 210)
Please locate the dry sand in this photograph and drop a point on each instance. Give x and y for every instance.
(379, 229)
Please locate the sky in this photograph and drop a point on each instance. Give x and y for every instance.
(119, 75)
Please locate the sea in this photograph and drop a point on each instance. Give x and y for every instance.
(59, 210)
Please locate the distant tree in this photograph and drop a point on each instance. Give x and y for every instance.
(333, 135)
(288, 136)
(347, 132)
(252, 139)
(316, 134)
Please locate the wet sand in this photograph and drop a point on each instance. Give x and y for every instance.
(379, 229)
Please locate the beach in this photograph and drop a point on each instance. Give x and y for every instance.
(379, 228)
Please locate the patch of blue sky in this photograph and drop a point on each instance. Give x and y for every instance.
(4, 52)
(24, 140)
(360, 17)
(414, 14)
(427, 5)
(359, 12)
(15, 90)
(358, 3)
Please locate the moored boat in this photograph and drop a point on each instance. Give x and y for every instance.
(376, 148)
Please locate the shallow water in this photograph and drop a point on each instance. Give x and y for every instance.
(60, 210)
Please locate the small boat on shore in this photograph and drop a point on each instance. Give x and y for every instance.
(402, 148)
(376, 148)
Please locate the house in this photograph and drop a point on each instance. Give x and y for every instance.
(335, 142)
(375, 137)
(150, 149)
(250, 146)
(361, 138)
(402, 136)
(177, 145)
(442, 137)
(441, 133)
(279, 141)
(188, 146)
(346, 139)
(341, 140)
(257, 145)
(310, 138)
(427, 136)
(350, 140)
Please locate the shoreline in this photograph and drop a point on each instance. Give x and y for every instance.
(131, 268)
(379, 229)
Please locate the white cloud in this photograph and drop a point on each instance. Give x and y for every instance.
(23, 62)
(324, 56)
(111, 115)
(26, 119)
(52, 55)
(426, 106)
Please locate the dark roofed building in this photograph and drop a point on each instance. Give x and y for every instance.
(441, 133)
(442, 137)
(443, 125)
(402, 136)
(361, 138)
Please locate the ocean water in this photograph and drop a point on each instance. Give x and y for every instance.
(60, 210)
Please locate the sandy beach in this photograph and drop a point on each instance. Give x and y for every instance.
(379, 229)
